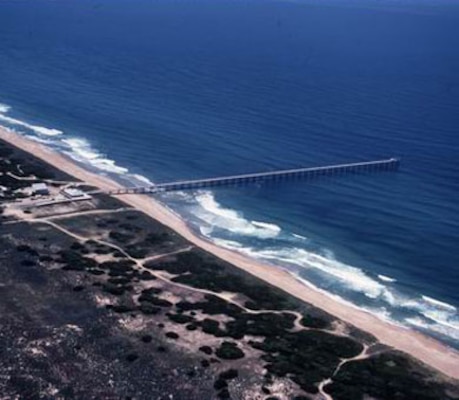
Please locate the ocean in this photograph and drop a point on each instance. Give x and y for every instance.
(154, 91)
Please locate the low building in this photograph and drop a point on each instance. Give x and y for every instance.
(40, 188)
(3, 189)
(72, 193)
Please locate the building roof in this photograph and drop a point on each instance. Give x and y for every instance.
(39, 186)
(73, 192)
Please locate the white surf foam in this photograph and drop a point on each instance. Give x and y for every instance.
(443, 329)
(385, 278)
(206, 231)
(350, 277)
(433, 315)
(264, 225)
(4, 108)
(81, 150)
(215, 215)
(382, 312)
(230, 244)
(142, 179)
(41, 130)
(299, 236)
(438, 303)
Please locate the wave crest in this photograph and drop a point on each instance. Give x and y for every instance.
(216, 216)
(82, 151)
(41, 130)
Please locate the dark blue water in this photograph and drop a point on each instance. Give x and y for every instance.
(185, 89)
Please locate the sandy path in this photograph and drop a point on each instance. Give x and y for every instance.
(425, 349)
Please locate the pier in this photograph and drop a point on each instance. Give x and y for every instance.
(391, 164)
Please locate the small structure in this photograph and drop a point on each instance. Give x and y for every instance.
(73, 193)
(3, 189)
(40, 188)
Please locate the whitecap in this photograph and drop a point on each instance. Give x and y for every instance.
(386, 278)
(272, 227)
(4, 108)
(299, 236)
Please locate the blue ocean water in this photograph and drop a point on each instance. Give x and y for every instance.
(154, 90)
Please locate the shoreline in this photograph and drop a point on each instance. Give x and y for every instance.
(425, 349)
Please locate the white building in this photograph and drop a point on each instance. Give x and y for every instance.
(72, 193)
(40, 188)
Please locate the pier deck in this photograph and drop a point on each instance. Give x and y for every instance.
(391, 164)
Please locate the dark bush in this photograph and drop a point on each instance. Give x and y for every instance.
(229, 351)
(314, 322)
(146, 338)
(156, 301)
(223, 394)
(115, 290)
(119, 280)
(132, 357)
(180, 318)
(149, 309)
(146, 276)
(172, 335)
(123, 308)
(120, 237)
(77, 246)
(23, 248)
(220, 384)
(210, 326)
(191, 327)
(206, 349)
(229, 374)
(95, 271)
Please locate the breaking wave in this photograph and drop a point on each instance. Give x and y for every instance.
(82, 151)
(438, 303)
(215, 216)
(41, 130)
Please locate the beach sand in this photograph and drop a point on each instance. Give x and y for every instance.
(425, 349)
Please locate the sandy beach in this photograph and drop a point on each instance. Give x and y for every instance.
(425, 349)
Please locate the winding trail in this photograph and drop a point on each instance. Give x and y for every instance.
(69, 215)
